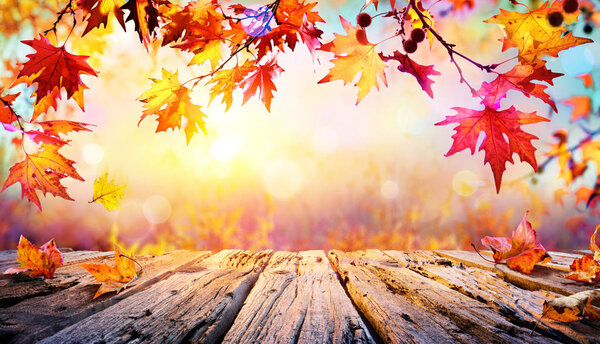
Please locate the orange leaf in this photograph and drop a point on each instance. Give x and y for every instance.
(261, 80)
(42, 171)
(574, 307)
(355, 54)
(98, 11)
(113, 278)
(37, 262)
(520, 252)
(582, 106)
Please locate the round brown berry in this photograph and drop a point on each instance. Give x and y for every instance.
(588, 28)
(417, 35)
(570, 6)
(363, 19)
(555, 18)
(361, 37)
(410, 46)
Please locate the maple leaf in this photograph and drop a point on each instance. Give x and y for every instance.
(7, 114)
(107, 193)
(227, 80)
(582, 106)
(496, 124)
(170, 101)
(180, 20)
(421, 73)
(574, 307)
(204, 40)
(145, 18)
(261, 80)
(569, 169)
(524, 30)
(519, 79)
(53, 68)
(42, 171)
(553, 45)
(587, 268)
(37, 262)
(114, 278)
(520, 252)
(353, 57)
(97, 12)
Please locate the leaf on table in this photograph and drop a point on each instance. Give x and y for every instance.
(170, 101)
(42, 171)
(53, 68)
(108, 193)
(574, 307)
(37, 262)
(421, 73)
(520, 252)
(353, 54)
(587, 268)
(114, 278)
(503, 136)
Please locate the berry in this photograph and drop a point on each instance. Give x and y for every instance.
(555, 18)
(588, 28)
(570, 6)
(410, 46)
(361, 37)
(363, 19)
(417, 35)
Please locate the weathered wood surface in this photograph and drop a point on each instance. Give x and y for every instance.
(236, 296)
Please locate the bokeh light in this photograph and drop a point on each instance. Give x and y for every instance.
(157, 209)
(282, 179)
(92, 153)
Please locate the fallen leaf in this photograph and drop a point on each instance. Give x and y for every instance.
(37, 262)
(574, 307)
(114, 278)
(520, 252)
(107, 193)
(587, 268)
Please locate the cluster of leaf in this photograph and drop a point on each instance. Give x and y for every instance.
(45, 260)
(240, 44)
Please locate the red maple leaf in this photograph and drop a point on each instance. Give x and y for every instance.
(520, 252)
(421, 73)
(7, 114)
(495, 124)
(262, 80)
(53, 68)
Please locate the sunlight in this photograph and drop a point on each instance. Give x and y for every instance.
(92, 154)
(223, 150)
(157, 209)
(282, 179)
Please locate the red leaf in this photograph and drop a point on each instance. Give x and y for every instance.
(262, 81)
(37, 262)
(520, 252)
(421, 73)
(53, 68)
(496, 125)
(6, 113)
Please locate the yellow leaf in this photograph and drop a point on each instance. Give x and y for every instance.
(107, 193)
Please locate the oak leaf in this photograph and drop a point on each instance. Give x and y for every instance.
(520, 252)
(42, 171)
(107, 192)
(421, 73)
(496, 124)
(352, 57)
(37, 262)
(170, 101)
(574, 307)
(53, 68)
(114, 278)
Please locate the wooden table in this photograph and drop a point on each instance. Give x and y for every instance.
(237, 296)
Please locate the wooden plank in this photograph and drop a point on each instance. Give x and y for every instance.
(541, 278)
(196, 303)
(519, 306)
(298, 299)
(41, 316)
(405, 307)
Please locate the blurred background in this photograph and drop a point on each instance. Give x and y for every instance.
(318, 172)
